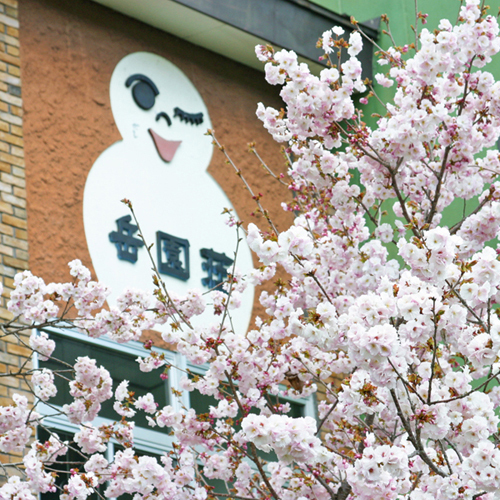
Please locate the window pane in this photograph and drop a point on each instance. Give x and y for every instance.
(72, 460)
(201, 404)
(63, 464)
(121, 366)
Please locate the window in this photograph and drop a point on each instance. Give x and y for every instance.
(119, 360)
(303, 407)
(65, 463)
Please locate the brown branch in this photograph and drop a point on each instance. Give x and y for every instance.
(253, 449)
(170, 302)
(414, 439)
(247, 185)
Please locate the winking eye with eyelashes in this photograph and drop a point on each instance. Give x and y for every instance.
(193, 118)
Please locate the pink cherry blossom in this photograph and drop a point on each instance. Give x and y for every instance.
(371, 300)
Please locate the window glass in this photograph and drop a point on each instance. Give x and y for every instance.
(73, 459)
(121, 366)
(201, 403)
(63, 464)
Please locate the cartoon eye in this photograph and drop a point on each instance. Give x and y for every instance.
(162, 114)
(193, 118)
(143, 92)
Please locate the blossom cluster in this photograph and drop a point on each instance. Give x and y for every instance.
(91, 386)
(15, 424)
(377, 305)
(293, 439)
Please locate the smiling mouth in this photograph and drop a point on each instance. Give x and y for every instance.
(166, 149)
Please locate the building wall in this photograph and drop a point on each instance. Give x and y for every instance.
(66, 52)
(13, 242)
(69, 50)
(13, 234)
(401, 15)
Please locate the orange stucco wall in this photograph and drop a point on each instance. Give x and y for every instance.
(68, 53)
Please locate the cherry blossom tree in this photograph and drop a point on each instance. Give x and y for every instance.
(384, 312)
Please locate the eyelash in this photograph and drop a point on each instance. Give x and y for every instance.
(193, 118)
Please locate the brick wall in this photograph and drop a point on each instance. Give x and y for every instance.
(13, 229)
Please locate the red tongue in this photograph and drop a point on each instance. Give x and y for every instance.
(166, 149)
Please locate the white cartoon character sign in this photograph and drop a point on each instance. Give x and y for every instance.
(160, 165)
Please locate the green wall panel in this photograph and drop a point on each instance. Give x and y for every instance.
(401, 16)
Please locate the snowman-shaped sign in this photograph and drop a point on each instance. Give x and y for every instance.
(161, 167)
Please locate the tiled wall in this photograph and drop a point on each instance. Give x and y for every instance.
(13, 228)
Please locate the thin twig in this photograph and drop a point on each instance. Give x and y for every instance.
(416, 25)
(247, 185)
(263, 163)
(170, 303)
